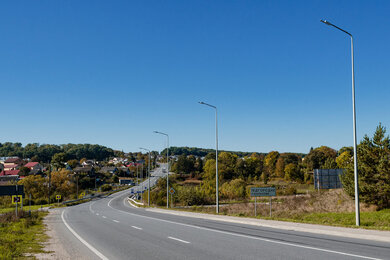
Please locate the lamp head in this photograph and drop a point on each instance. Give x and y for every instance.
(326, 22)
(200, 102)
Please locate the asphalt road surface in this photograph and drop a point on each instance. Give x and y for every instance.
(109, 228)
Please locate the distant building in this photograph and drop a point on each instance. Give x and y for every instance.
(109, 169)
(34, 166)
(85, 169)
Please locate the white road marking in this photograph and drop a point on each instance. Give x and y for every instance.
(97, 214)
(100, 255)
(115, 221)
(104, 217)
(250, 237)
(136, 227)
(180, 240)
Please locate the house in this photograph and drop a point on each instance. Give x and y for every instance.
(10, 172)
(12, 161)
(85, 169)
(109, 169)
(89, 163)
(34, 166)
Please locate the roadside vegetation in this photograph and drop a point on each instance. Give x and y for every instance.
(21, 236)
(292, 176)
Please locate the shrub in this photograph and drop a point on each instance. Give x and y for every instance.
(106, 187)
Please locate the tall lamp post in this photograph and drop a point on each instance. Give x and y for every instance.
(148, 174)
(354, 126)
(216, 155)
(157, 132)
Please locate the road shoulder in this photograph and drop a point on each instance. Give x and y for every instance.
(58, 246)
(375, 235)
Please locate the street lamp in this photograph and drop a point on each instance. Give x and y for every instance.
(354, 126)
(216, 154)
(148, 174)
(157, 132)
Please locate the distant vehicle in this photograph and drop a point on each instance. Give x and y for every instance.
(126, 182)
(164, 170)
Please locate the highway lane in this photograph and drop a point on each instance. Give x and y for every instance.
(117, 231)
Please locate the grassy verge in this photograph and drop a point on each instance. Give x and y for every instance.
(379, 220)
(12, 209)
(21, 236)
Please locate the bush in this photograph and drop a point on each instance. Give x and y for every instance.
(105, 187)
(40, 201)
(235, 189)
(190, 196)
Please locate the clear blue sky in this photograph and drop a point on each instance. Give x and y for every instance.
(111, 72)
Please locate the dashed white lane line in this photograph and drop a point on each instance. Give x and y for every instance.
(97, 214)
(100, 255)
(248, 236)
(104, 217)
(136, 227)
(180, 240)
(115, 221)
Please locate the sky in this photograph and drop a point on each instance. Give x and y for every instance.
(112, 72)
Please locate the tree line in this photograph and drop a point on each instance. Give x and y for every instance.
(45, 152)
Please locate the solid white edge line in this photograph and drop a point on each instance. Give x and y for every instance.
(180, 240)
(94, 250)
(250, 237)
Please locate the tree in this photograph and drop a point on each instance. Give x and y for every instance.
(344, 159)
(227, 165)
(58, 160)
(61, 183)
(24, 171)
(317, 157)
(292, 172)
(373, 168)
(270, 161)
(73, 163)
(279, 167)
(35, 185)
(330, 163)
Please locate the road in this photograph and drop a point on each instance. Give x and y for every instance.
(109, 228)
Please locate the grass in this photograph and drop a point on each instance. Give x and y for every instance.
(33, 207)
(21, 236)
(370, 220)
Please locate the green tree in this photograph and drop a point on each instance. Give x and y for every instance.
(344, 159)
(374, 170)
(227, 165)
(318, 156)
(24, 171)
(58, 160)
(292, 172)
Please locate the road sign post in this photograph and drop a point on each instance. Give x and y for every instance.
(58, 197)
(263, 192)
(15, 200)
(171, 191)
(255, 207)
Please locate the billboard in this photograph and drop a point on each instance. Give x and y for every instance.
(327, 178)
